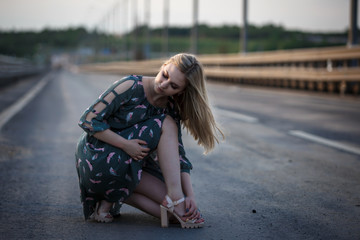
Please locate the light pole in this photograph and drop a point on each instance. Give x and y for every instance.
(352, 36)
(243, 42)
(147, 48)
(194, 33)
(165, 49)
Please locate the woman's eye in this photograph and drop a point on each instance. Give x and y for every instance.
(165, 76)
(174, 86)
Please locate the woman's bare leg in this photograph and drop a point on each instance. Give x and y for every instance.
(144, 203)
(168, 155)
(148, 195)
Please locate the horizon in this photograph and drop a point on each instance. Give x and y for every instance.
(176, 26)
(306, 15)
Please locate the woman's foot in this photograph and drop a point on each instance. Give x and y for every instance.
(177, 209)
(102, 212)
(180, 210)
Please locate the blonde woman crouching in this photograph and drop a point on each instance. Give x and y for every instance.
(131, 151)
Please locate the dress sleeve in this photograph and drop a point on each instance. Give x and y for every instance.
(94, 119)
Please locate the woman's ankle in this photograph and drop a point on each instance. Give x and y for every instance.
(175, 195)
(105, 206)
(177, 202)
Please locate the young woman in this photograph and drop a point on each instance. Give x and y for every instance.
(131, 151)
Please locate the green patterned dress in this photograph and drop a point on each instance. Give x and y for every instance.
(107, 172)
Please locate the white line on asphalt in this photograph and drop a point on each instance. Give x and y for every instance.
(325, 141)
(16, 107)
(235, 115)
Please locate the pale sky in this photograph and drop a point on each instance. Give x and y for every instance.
(311, 15)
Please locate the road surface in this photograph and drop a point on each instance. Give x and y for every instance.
(288, 169)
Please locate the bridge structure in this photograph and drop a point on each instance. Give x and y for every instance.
(330, 69)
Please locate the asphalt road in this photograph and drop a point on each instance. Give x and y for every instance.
(262, 182)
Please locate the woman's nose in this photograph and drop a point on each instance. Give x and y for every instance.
(164, 84)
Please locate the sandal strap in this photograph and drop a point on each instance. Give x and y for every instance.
(171, 204)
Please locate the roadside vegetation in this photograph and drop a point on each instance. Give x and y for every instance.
(97, 46)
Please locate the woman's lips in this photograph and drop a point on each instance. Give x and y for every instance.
(160, 90)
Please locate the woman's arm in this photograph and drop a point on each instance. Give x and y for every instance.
(190, 203)
(186, 184)
(93, 119)
(111, 138)
(132, 147)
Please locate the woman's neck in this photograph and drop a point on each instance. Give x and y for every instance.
(153, 98)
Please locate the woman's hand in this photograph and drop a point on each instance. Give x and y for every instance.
(191, 210)
(135, 148)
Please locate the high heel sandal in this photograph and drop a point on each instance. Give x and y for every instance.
(170, 208)
(102, 217)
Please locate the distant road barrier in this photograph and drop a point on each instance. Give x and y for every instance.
(13, 68)
(342, 81)
(334, 69)
(310, 57)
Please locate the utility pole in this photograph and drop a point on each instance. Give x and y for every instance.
(165, 49)
(353, 28)
(147, 48)
(125, 34)
(352, 35)
(243, 42)
(195, 34)
(108, 31)
(135, 31)
(115, 28)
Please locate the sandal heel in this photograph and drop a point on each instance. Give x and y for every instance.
(164, 217)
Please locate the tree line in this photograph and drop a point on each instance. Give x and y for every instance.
(212, 40)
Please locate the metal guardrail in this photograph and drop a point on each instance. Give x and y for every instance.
(12, 68)
(342, 81)
(311, 57)
(323, 69)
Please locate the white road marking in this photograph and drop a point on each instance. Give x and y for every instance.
(235, 115)
(16, 107)
(325, 141)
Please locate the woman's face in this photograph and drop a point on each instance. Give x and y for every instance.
(169, 81)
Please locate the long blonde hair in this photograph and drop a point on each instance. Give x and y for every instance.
(193, 104)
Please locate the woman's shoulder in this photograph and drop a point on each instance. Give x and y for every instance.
(130, 82)
(131, 79)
